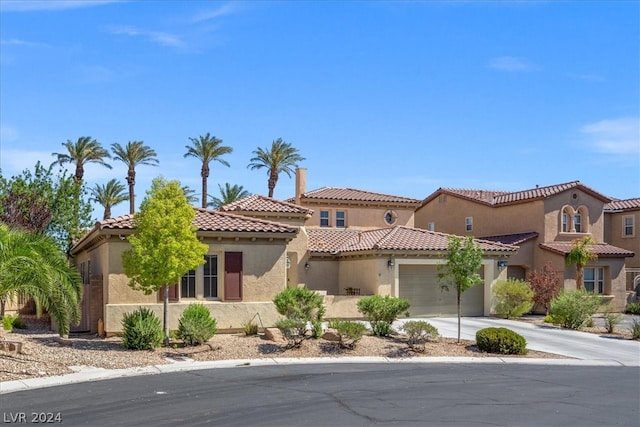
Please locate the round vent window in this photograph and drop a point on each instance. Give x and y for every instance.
(390, 217)
(574, 196)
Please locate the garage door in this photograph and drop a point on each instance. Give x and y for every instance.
(419, 284)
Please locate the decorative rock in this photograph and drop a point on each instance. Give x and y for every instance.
(274, 334)
(331, 335)
(11, 346)
(64, 342)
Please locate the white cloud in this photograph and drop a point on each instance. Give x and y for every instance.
(162, 38)
(619, 136)
(38, 5)
(18, 42)
(512, 64)
(210, 14)
(13, 162)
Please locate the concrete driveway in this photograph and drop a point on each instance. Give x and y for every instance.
(579, 345)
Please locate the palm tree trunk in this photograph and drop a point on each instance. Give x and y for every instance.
(205, 175)
(131, 180)
(79, 172)
(273, 179)
(579, 274)
(107, 212)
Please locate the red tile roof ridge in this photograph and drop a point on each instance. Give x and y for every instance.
(247, 204)
(376, 195)
(622, 205)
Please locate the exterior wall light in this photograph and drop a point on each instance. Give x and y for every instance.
(307, 266)
(502, 264)
(390, 263)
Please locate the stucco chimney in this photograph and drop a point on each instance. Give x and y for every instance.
(301, 183)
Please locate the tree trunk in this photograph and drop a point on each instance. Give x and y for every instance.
(579, 269)
(205, 175)
(107, 212)
(131, 180)
(166, 316)
(458, 316)
(273, 179)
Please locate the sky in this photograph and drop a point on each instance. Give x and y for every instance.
(393, 97)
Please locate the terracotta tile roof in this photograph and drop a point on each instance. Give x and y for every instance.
(622, 205)
(496, 198)
(208, 220)
(258, 203)
(349, 194)
(603, 250)
(396, 238)
(512, 239)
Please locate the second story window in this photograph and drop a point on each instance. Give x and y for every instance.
(431, 226)
(324, 218)
(468, 223)
(577, 223)
(340, 219)
(627, 226)
(565, 222)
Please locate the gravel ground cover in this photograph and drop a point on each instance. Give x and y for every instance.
(43, 354)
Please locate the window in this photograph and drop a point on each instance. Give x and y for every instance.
(340, 219)
(577, 223)
(431, 226)
(468, 222)
(565, 222)
(211, 276)
(627, 226)
(390, 217)
(324, 218)
(593, 279)
(188, 285)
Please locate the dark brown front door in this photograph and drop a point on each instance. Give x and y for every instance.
(233, 276)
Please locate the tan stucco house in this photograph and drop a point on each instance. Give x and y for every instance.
(542, 222)
(622, 219)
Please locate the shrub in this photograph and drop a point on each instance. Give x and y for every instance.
(549, 318)
(196, 326)
(350, 332)
(303, 305)
(512, 298)
(142, 330)
(418, 333)
(382, 311)
(545, 285)
(250, 328)
(611, 319)
(635, 329)
(294, 331)
(7, 322)
(501, 340)
(573, 309)
(632, 308)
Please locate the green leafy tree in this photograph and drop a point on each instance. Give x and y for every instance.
(32, 264)
(133, 154)
(580, 255)
(229, 194)
(44, 202)
(463, 260)
(108, 195)
(207, 149)
(164, 246)
(85, 150)
(280, 157)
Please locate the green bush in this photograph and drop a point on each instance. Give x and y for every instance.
(196, 326)
(501, 340)
(418, 333)
(381, 312)
(294, 331)
(250, 328)
(574, 309)
(302, 305)
(611, 319)
(549, 318)
(635, 329)
(512, 298)
(350, 332)
(632, 308)
(142, 330)
(11, 322)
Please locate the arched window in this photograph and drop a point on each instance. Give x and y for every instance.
(581, 220)
(566, 218)
(577, 222)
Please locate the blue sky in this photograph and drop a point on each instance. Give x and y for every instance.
(393, 97)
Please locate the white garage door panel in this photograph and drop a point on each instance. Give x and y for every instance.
(419, 284)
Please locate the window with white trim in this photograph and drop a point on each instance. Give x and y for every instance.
(577, 222)
(210, 276)
(628, 226)
(324, 219)
(341, 221)
(565, 221)
(468, 223)
(593, 280)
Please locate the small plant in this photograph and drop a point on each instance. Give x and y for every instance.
(574, 309)
(304, 306)
(635, 329)
(418, 333)
(632, 308)
(382, 311)
(549, 318)
(501, 340)
(294, 331)
(350, 332)
(512, 298)
(8, 321)
(196, 326)
(611, 318)
(250, 328)
(142, 330)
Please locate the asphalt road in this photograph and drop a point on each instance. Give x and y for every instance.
(401, 394)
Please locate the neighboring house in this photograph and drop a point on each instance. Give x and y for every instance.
(622, 219)
(543, 222)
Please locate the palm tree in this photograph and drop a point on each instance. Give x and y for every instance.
(229, 194)
(207, 148)
(281, 157)
(109, 195)
(84, 150)
(190, 194)
(32, 264)
(135, 153)
(580, 256)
